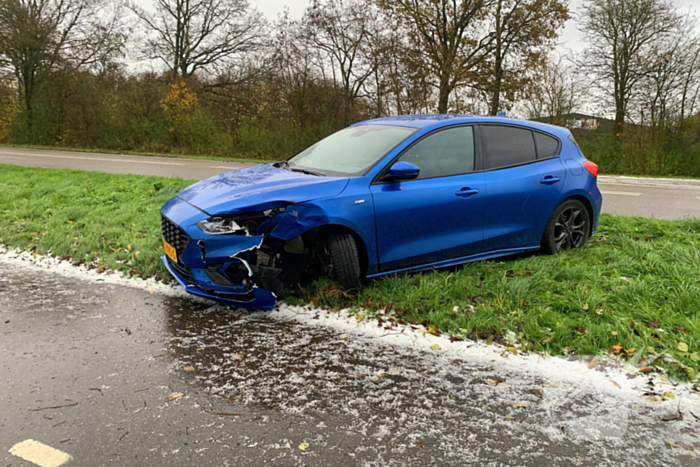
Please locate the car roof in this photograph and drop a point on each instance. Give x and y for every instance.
(433, 121)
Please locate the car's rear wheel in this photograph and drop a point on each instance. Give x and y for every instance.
(345, 262)
(568, 227)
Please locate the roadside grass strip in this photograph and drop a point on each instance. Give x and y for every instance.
(632, 292)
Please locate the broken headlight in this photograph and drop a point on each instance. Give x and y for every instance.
(238, 224)
(218, 226)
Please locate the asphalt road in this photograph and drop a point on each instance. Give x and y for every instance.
(88, 367)
(659, 198)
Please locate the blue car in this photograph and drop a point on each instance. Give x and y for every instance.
(390, 195)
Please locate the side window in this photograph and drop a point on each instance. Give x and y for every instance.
(506, 145)
(546, 146)
(447, 152)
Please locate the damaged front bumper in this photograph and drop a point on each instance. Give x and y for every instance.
(243, 270)
(255, 297)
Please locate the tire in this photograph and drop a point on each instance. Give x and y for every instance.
(568, 227)
(345, 261)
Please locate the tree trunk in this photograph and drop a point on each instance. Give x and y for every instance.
(498, 63)
(444, 99)
(498, 79)
(619, 128)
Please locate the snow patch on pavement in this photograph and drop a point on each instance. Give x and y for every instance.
(616, 379)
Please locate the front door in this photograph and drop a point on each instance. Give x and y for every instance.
(437, 216)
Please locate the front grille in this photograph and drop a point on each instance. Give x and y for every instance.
(174, 235)
(183, 271)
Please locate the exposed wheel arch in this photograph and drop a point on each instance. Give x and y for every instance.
(320, 234)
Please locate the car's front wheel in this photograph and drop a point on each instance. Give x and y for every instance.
(345, 262)
(568, 227)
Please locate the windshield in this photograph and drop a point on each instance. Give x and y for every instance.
(350, 151)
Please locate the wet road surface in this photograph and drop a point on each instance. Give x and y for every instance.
(87, 367)
(659, 198)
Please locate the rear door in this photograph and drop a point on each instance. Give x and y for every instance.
(437, 216)
(524, 177)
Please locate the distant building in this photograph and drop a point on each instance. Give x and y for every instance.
(582, 122)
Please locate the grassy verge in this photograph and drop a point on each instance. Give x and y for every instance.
(634, 290)
(138, 153)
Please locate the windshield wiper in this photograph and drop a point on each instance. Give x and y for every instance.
(306, 171)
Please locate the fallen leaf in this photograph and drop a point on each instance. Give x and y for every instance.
(594, 362)
(682, 347)
(188, 368)
(616, 385)
(520, 404)
(646, 369)
(600, 311)
(585, 307)
(464, 331)
(494, 382)
(304, 446)
(551, 385)
(536, 392)
(435, 347)
(172, 397)
(512, 350)
(694, 356)
(653, 324)
(617, 348)
(547, 340)
(614, 333)
(654, 399)
(630, 350)
(668, 395)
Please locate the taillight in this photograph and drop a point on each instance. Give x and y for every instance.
(591, 167)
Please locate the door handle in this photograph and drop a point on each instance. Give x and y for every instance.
(467, 192)
(548, 180)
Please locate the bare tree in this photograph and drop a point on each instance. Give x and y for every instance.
(672, 81)
(189, 35)
(36, 36)
(555, 91)
(523, 31)
(620, 34)
(448, 34)
(344, 31)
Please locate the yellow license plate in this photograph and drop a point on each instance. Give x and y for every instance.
(170, 251)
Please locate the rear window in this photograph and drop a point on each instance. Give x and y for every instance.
(547, 146)
(506, 146)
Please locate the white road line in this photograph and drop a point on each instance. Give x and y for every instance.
(88, 158)
(39, 453)
(223, 167)
(623, 193)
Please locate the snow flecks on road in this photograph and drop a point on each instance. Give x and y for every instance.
(465, 401)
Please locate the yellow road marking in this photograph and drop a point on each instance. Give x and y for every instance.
(39, 453)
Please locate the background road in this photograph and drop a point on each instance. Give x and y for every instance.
(648, 197)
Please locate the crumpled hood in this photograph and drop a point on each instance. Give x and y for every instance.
(239, 190)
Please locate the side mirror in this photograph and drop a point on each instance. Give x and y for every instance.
(402, 170)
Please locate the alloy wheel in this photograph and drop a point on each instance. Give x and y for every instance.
(571, 229)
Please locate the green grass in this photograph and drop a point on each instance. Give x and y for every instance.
(139, 153)
(87, 216)
(633, 290)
